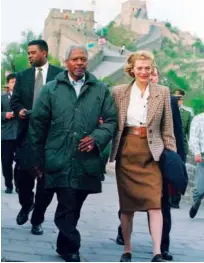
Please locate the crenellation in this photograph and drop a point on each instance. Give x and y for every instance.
(67, 26)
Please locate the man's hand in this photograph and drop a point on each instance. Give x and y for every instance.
(22, 114)
(9, 115)
(100, 120)
(37, 172)
(86, 144)
(198, 158)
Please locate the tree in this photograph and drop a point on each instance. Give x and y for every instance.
(168, 25)
(176, 81)
(15, 55)
(104, 31)
(54, 61)
(199, 45)
(15, 58)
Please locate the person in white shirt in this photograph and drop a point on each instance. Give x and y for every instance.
(196, 144)
(122, 50)
(145, 128)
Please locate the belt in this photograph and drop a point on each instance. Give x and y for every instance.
(139, 131)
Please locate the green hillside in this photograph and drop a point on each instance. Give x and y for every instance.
(180, 66)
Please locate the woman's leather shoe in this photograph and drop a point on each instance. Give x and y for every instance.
(158, 258)
(126, 257)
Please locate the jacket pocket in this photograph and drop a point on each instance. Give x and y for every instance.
(56, 151)
(92, 163)
(55, 159)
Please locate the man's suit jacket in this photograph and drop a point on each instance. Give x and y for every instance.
(8, 127)
(178, 132)
(23, 99)
(160, 133)
(186, 123)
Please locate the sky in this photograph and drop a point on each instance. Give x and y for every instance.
(19, 15)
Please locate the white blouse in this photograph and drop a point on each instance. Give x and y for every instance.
(137, 109)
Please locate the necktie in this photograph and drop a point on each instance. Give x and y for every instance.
(38, 84)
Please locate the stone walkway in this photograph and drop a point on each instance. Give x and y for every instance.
(98, 227)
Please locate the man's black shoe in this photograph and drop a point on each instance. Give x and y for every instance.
(37, 230)
(120, 240)
(126, 257)
(158, 258)
(8, 190)
(22, 216)
(167, 256)
(69, 257)
(174, 206)
(194, 209)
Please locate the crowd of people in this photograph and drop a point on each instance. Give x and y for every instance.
(58, 124)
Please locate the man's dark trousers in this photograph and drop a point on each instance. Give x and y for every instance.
(8, 149)
(166, 212)
(43, 197)
(67, 215)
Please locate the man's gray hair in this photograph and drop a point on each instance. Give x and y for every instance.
(73, 47)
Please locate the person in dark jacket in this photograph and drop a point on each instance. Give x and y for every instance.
(8, 136)
(166, 209)
(28, 85)
(67, 141)
(186, 122)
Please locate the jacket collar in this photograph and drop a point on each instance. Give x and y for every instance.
(152, 103)
(90, 79)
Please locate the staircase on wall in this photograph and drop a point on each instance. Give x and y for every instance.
(112, 61)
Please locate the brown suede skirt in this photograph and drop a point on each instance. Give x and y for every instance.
(138, 176)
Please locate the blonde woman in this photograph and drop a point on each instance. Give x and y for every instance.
(145, 128)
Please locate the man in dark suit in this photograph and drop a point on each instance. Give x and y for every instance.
(8, 136)
(28, 85)
(167, 189)
(186, 122)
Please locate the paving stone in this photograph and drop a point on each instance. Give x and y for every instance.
(98, 228)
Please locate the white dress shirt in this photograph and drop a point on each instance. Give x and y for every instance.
(44, 71)
(196, 141)
(76, 84)
(137, 109)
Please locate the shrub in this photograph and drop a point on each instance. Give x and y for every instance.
(131, 46)
(168, 25)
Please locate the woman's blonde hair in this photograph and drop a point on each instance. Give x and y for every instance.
(139, 55)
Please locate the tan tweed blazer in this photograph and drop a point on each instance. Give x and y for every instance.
(160, 133)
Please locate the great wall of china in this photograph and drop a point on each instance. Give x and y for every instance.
(63, 28)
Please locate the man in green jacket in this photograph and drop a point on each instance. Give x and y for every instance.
(67, 141)
(186, 122)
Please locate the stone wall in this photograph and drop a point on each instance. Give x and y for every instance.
(95, 60)
(115, 76)
(140, 26)
(69, 18)
(151, 41)
(70, 36)
(129, 9)
(63, 28)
